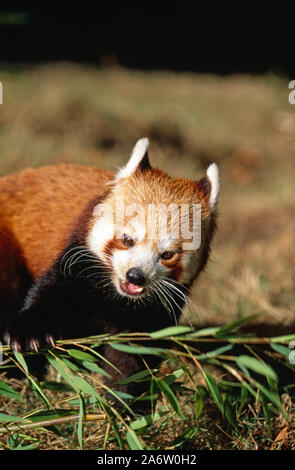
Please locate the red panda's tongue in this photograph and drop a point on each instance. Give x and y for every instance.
(132, 288)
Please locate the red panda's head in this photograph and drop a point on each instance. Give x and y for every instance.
(152, 229)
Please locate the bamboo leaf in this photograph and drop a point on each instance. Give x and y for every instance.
(9, 392)
(281, 349)
(133, 378)
(153, 394)
(171, 331)
(147, 420)
(199, 401)
(118, 434)
(282, 339)
(257, 366)
(225, 330)
(95, 368)
(60, 366)
(133, 440)
(206, 332)
(169, 394)
(20, 358)
(80, 421)
(81, 355)
(5, 418)
(84, 386)
(214, 390)
(169, 379)
(215, 352)
(138, 349)
(56, 386)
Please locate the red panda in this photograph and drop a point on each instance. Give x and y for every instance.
(72, 266)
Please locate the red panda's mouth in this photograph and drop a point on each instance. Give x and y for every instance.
(131, 289)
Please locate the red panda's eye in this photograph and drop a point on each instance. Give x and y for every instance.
(127, 241)
(166, 255)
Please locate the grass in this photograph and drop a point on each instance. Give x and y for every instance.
(232, 390)
(70, 113)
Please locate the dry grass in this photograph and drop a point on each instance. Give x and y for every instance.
(65, 112)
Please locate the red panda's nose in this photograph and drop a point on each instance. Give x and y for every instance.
(136, 276)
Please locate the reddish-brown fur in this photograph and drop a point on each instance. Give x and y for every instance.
(40, 208)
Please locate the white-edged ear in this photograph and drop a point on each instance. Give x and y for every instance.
(213, 176)
(139, 159)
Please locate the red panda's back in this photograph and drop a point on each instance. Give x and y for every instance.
(40, 208)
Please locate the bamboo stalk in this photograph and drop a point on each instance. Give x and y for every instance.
(50, 422)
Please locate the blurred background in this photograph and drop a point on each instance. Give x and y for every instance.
(82, 87)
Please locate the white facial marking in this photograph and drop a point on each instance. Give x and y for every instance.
(190, 263)
(101, 232)
(137, 155)
(213, 175)
(141, 256)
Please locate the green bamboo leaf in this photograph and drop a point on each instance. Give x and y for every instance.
(169, 394)
(27, 447)
(117, 434)
(81, 355)
(153, 394)
(147, 420)
(69, 364)
(282, 339)
(133, 440)
(257, 366)
(50, 415)
(56, 386)
(60, 366)
(206, 332)
(214, 390)
(20, 358)
(281, 349)
(199, 401)
(133, 378)
(84, 386)
(225, 330)
(95, 368)
(173, 376)
(215, 352)
(4, 418)
(80, 421)
(138, 349)
(171, 331)
(9, 392)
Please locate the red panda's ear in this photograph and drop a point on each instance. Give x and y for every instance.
(209, 185)
(139, 159)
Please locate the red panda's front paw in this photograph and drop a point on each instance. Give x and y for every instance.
(26, 335)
